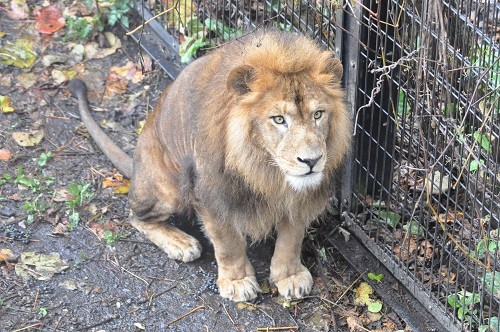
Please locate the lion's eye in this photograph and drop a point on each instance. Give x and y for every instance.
(278, 119)
(318, 115)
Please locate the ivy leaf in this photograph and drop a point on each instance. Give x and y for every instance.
(19, 54)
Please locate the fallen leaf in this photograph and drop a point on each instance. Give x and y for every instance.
(139, 326)
(62, 195)
(141, 127)
(19, 10)
(19, 54)
(28, 139)
(354, 325)
(436, 183)
(5, 80)
(93, 51)
(61, 76)
(69, 284)
(2, 34)
(246, 305)
(5, 154)
(100, 229)
(49, 20)
(6, 104)
(39, 266)
(129, 71)
(26, 80)
(450, 217)
(6, 255)
(362, 297)
(60, 229)
(407, 249)
(115, 85)
(50, 59)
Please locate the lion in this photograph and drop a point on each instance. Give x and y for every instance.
(251, 137)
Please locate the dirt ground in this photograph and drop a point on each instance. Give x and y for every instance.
(110, 278)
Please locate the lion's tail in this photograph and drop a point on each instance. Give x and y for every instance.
(117, 156)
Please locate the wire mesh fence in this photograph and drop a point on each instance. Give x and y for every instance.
(423, 81)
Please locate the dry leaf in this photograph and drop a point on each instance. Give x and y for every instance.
(129, 71)
(28, 139)
(141, 127)
(5, 154)
(362, 297)
(6, 104)
(39, 266)
(49, 20)
(19, 10)
(19, 54)
(115, 85)
(354, 325)
(6, 255)
(436, 183)
(139, 326)
(99, 229)
(93, 51)
(407, 249)
(26, 80)
(61, 76)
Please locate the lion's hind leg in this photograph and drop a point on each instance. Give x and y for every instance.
(174, 242)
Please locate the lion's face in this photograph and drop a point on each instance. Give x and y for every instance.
(294, 134)
(289, 125)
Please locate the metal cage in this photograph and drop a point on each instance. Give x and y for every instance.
(423, 83)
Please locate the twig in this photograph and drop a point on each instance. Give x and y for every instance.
(147, 22)
(347, 289)
(86, 328)
(27, 327)
(278, 328)
(228, 315)
(131, 273)
(150, 299)
(185, 315)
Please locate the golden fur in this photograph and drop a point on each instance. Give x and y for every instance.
(250, 137)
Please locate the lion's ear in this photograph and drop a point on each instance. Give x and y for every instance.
(239, 78)
(334, 67)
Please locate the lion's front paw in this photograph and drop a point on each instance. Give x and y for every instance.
(185, 249)
(239, 290)
(295, 286)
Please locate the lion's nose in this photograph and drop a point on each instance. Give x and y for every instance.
(311, 162)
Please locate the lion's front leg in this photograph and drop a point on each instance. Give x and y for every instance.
(292, 279)
(236, 276)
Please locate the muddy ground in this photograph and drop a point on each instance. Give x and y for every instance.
(115, 279)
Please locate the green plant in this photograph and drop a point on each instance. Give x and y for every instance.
(111, 237)
(375, 277)
(44, 158)
(42, 312)
(81, 194)
(34, 208)
(33, 184)
(493, 325)
(118, 10)
(464, 303)
(78, 28)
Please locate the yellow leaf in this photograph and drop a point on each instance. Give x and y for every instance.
(19, 54)
(40, 266)
(6, 255)
(2, 34)
(6, 104)
(141, 127)
(122, 189)
(28, 139)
